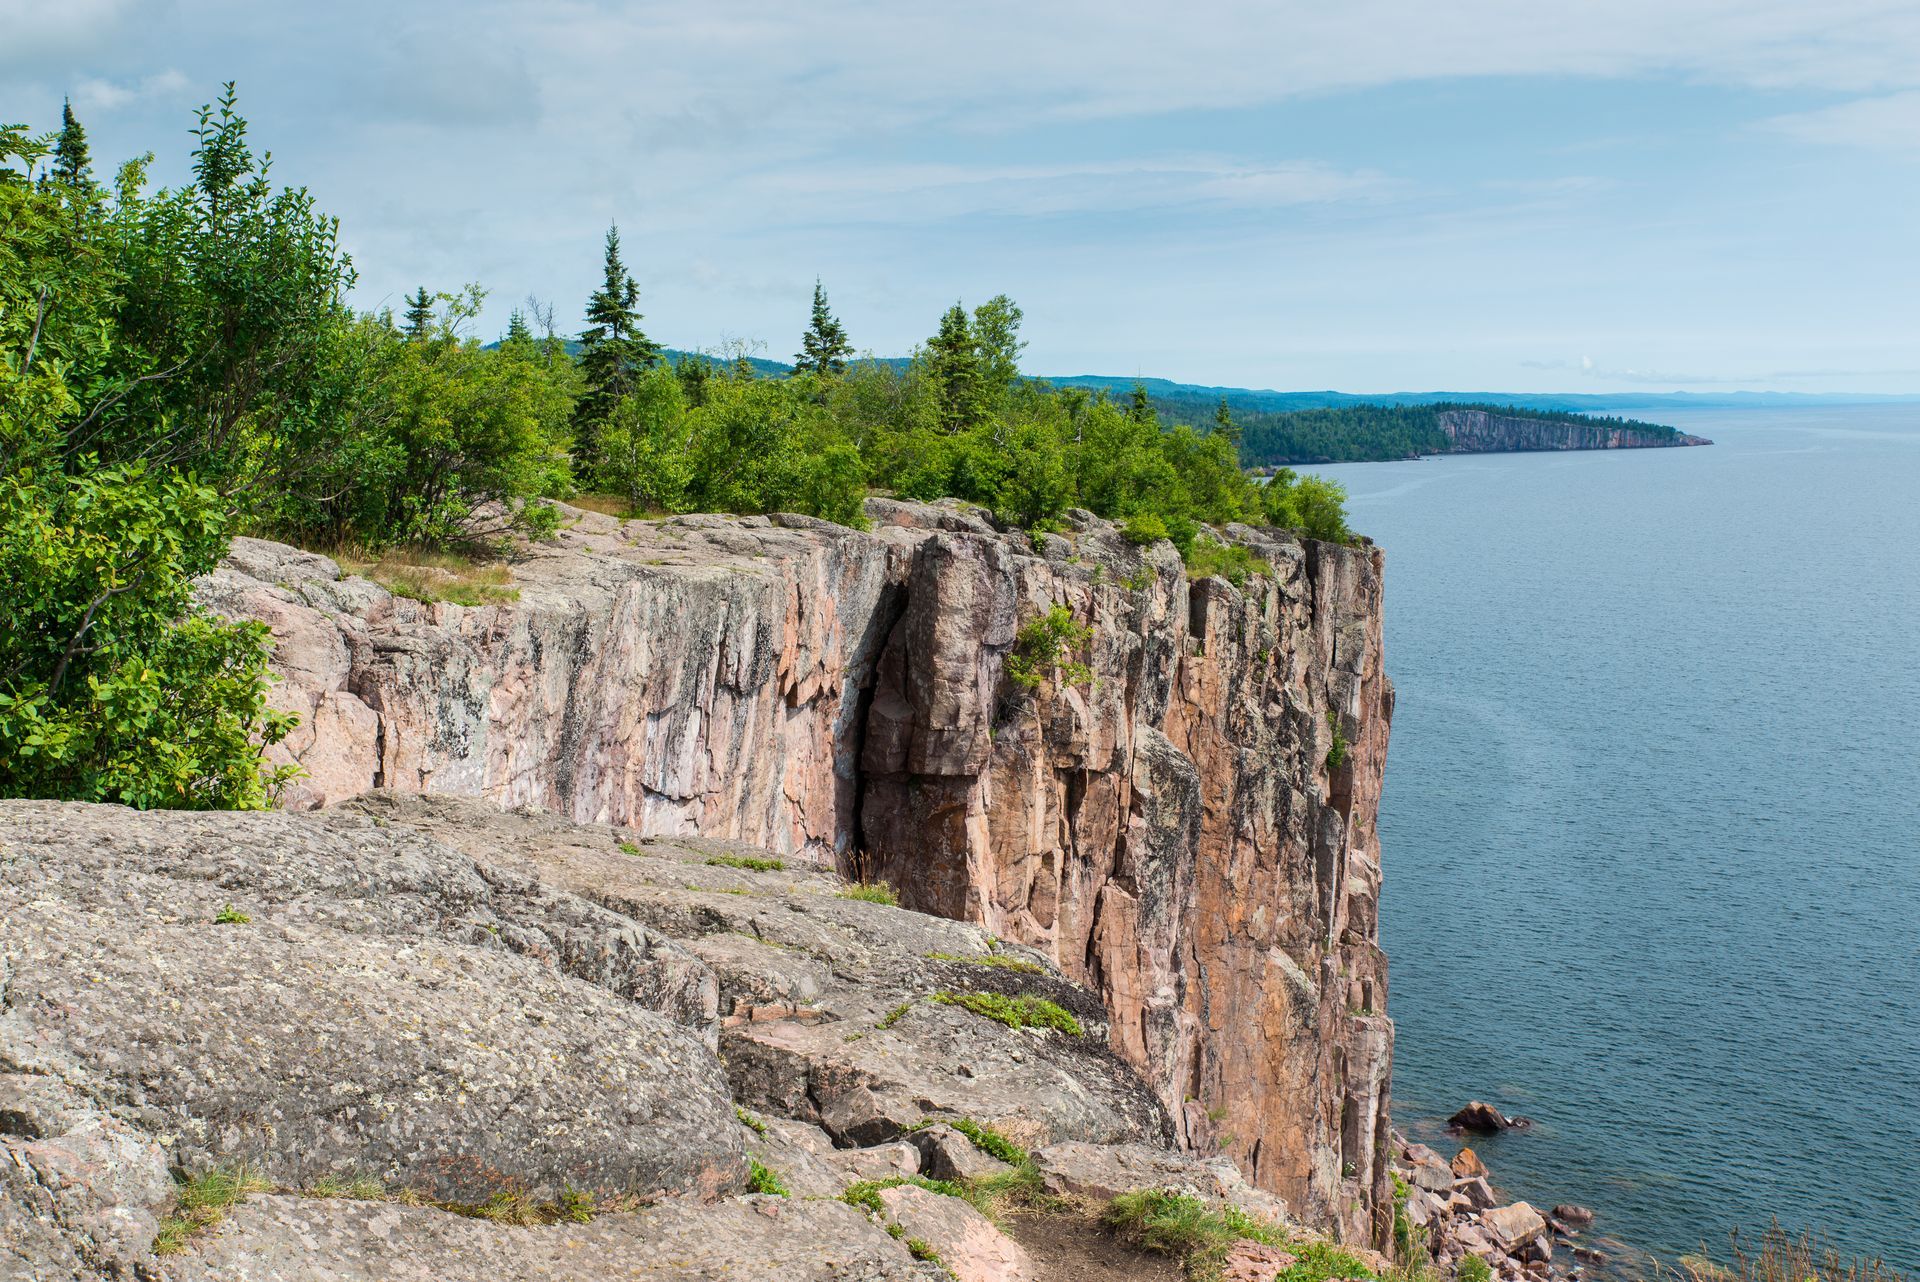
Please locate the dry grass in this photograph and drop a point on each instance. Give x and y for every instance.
(426, 575)
(202, 1203)
(1781, 1256)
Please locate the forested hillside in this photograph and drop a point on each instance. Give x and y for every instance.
(1359, 433)
(177, 365)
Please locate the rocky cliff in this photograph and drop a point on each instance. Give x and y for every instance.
(1188, 831)
(1483, 432)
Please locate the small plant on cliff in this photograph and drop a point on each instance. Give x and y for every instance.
(230, 916)
(872, 892)
(762, 1180)
(746, 862)
(1015, 1012)
(1048, 644)
(202, 1202)
(629, 848)
(1199, 1233)
(894, 1016)
(990, 1141)
(1143, 529)
(749, 1121)
(1336, 754)
(1473, 1268)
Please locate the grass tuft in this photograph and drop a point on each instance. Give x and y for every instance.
(1229, 561)
(230, 916)
(894, 1016)
(875, 892)
(749, 1121)
(202, 1202)
(750, 864)
(1015, 1012)
(990, 1141)
(430, 576)
(1201, 1234)
(629, 848)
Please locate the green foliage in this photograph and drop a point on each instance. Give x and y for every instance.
(1473, 1268)
(991, 959)
(1312, 505)
(1337, 753)
(877, 892)
(990, 1141)
(201, 1202)
(1208, 557)
(1143, 528)
(629, 847)
(954, 363)
(748, 862)
(865, 1194)
(1201, 1234)
(230, 916)
(613, 350)
(1371, 432)
(113, 686)
(824, 348)
(749, 1121)
(1023, 1011)
(894, 1016)
(1049, 645)
(762, 1180)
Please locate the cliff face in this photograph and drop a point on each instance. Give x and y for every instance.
(1178, 832)
(1481, 432)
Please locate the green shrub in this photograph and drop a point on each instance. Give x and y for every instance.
(629, 847)
(114, 686)
(1049, 644)
(1338, 752)
(762, 1180)
(230, 916)
(1473, 1268)
(749, 1121)
(1015, 1012)
(1144, 528)
(990, 1141)
(1209, 558)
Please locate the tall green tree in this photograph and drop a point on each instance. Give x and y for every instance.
(953, 360)
(71, 163)
(614, 351)
(419, 315)
(824, 348)
(996, 333)
(1224, 426)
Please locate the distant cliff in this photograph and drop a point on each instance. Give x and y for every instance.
(1474, 431)
(1186, 826)
(1372, 433)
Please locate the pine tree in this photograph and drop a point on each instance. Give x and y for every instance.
(824, 348)
(953, 358)
(518, 334)
(613, 352)
(1223, 424)
(1139, 407)
(419, 315)
(70, 160)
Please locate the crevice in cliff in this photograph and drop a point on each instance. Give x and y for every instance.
(852, 860)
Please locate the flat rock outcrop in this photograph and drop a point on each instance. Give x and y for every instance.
(1188, 832)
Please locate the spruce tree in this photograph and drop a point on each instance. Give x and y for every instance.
(419, 315)
(1223, 424)
(1139, 407)
(953, 359)
(70, 160)
(824, 348)
(518, 335)
(613, 350)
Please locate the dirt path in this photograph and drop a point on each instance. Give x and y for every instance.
(1074, 1248)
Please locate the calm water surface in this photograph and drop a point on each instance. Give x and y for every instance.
(1652, 819)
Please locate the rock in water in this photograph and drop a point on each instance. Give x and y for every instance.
(1484, 1119)
(1467, 1165)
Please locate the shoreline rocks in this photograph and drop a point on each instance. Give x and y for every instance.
(1452, 1210)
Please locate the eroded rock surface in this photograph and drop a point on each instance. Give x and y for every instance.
(1189, 833)
(1482, 432)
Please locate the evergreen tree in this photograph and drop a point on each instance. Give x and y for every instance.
(518, 334)
(419, 315)
(614, 351)
(953, 359)
(1139, 406)
(1223, 424)
(70, 161)
(824, 348)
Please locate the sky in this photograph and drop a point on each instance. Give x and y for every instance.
(1369, 195)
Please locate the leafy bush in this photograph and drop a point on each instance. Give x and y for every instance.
(1015, 1012)
(762, 1180)
(1144, 528)
(1233, 562)
(113, 685)
(1473, 1268)
(1047, 645)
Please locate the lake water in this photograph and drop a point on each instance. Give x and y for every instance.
(1652, 820)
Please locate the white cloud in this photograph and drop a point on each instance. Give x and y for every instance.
(109, 95)
(1887, 123)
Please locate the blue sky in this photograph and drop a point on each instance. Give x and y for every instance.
(1374, 195)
